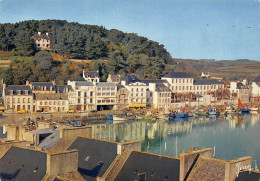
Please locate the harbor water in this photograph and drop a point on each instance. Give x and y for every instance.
(228, 136)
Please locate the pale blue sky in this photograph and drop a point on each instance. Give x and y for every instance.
(215, 29)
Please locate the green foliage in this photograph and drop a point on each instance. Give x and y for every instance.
(124, 52)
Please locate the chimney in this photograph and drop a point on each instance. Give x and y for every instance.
(47, 34)
(39, 33)
(186, 159)
(27, 82)
(54, 83)
(233, 167)
(62, 162)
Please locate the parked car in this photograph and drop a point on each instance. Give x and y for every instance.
(82, 111)
(71, 111)
(93, 111)
(21, 112)
(45, 112)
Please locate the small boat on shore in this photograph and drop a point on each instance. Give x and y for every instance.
(213, 111)
(202, 113)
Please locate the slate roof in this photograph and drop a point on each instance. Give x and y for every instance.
(42, 36)
(62, 88)
(43, 131)
(83, 83)
(95, 156)
(154, 81)
(257, 79)
(38, 85)
(131, 79)
(162, 88)
(155, 167)
(207, 169)
(50, 141)
(91, 74)
(22, 164)
(51, 96)
(240, 85)
(248, 176)
(206, 82)
(16, 88)
(177, 75)
(102, 84)
(1, 133)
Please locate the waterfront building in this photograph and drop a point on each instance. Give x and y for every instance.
(2, 106)
(18, 97)
(256, 90)
(83, 96)
(52, 102)
(42, 87)
(240, 90)
(42, 41)
(181, 82)
(106, 94)
(91, 76)
(122, 96)
(159, 97)
(137, 91)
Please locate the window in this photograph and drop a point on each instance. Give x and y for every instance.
(29, 100)
(78, 100)
(23, 100)
(91, 100)
(85, 94)
(23, 107)
(91, 94)
(18, 100)
(78, 94)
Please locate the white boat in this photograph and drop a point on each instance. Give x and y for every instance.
(121, 119)
(254, 110)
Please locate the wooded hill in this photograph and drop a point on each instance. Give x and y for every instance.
(123, 53)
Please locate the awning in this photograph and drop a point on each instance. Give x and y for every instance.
(137, 105)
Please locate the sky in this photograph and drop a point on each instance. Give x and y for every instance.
(189, 29)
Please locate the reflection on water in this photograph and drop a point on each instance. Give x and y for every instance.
(233, 136)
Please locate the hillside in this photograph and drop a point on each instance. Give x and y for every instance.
(110, 51)
(231, 69)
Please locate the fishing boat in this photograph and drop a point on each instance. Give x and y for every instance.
(242, 107)
(212, 111)
(178, 114)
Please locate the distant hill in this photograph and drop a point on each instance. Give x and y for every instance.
(231, 69)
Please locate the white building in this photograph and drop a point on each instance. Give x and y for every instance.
(181, 82)
(42, 41)
(84, 95)
(105, 95)
(91, 76)
(137, 91)
(256, 90)
(159, 96)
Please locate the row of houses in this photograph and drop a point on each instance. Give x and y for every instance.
(116, 93)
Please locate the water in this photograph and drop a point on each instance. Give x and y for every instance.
(233, 136)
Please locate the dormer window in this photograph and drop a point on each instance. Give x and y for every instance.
(19, 92)
(11, 92)
(26, 92)
(45, 88)
(51, 88)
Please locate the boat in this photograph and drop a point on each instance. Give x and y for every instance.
(109, 117)
(212, 111)
(254, 110)
(242, 107)
(202, 112)
(122, 118)
(178, 114)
